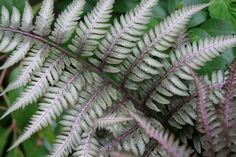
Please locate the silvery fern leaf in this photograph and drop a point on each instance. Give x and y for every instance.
(190, 56)
(31, 63)
(122, 36)
(142, 64)
(44, 19)
(93, 28)
(56, 74)
(41, 80)
(78, 121)
(67, 21)
(57, 98)
(184, 111)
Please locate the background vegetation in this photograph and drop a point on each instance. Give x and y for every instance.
(218, 19)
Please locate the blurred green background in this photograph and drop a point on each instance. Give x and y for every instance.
(218, 19)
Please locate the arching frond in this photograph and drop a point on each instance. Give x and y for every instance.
(41, 80)
(118, 42)
(101, 75)
(78, 120)
(142, 64)
(191, 56)
(57, 98)
(93, 28)
(31, 63)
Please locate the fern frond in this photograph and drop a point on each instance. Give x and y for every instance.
(182, 112)
(229, 116)
(68, 141)
(78, 120)
(31, 63)
(18, 54)
(165, 139)
(208, 121)
(41, 80)
(67, 21)
(93, 28)
(148, 74)
(196, 54)
(122, 36)
(44, 19)
(57, 98)
(142, 65)
(193, 56)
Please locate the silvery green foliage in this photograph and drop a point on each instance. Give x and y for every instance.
(108, 72)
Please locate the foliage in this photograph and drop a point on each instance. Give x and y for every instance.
(120, 88)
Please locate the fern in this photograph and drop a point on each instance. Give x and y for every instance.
(99, 75)
(228, 109)
(165, 139)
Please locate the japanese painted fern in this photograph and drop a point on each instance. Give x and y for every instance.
(111, 75)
